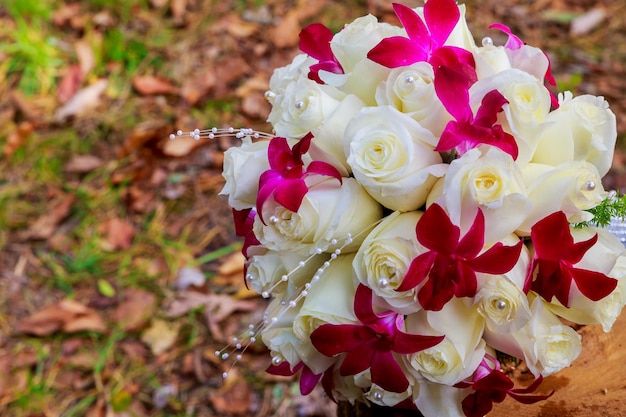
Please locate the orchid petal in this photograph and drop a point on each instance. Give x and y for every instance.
(308, 380)
(499, 259)
(418, 271)
(513, 42)
(551, 235)
(332, 339)
(472, 242)
(290, 193)
(357, 360)
(435, 293)
(323, 168)
(279, 153)
(453, 91)
(441, 18)
(490, 106)
(476, 404)
(243, 221)
(268, 181)
(387, 374)
(435, 231)
(315, 42)
(593, 285)
(406, 343)
(414, 25)
(466, 283)
(450, 137)
(578, 249)
(397, 51)
(284, 369)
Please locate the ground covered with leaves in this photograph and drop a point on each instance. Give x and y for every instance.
(119, 270)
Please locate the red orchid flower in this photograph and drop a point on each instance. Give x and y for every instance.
(555, 257)
(308, 380)
(515, 43)
(494, 388)
(372, 344)
(467, 131)
(285, 178)
(244, 220)
(450, 266)
(315, 42)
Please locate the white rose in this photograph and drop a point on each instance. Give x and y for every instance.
(487, 178)
(528, 106)
(440, 400)
(392, 156)
(283, 76)
(544, 343)
(385, 256)
(378, 395)
(243, 165)
(411, 91)
(327, 215)
(490, 60)
(608, 257)
(459, 354)
(279, 272)
(345, 388)
(302, 107)
(582, 128)
(571, 187)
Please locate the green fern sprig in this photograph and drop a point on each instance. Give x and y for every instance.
(611, 207)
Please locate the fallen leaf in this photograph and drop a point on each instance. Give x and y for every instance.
(160, 336)
(181, 146)
(85, 55)
(232, 398)
(145, 134)
(256, 106)
(81, 164)
(196, 88)
(136, 309)
(158, 4)
(232, 264)
(285, 34)
(119, 234)
(217, 307)
(64, 14)
(150, 84)
(45, 226)
(17, 138)
(189, 276)
(70, 83)
(67, 316)
(85, 100)
(587, 22)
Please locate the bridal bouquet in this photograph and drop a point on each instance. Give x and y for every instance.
(412, 217)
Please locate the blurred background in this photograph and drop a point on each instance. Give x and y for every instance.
(119, 270)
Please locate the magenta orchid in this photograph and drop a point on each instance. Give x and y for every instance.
(555, 257)
(467, 131)
(372, 343)
(450, 266)
(244, 219)
(492, 386)
(308, 380)
(315, 42)
(285, 178)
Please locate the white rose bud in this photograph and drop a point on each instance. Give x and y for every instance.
(283, 76)
(411, 90)
(490, 60)
(571, 187)
(327, 215)
(243, 165)
(486, 178)
(544, 343)
(392, 156)
(459, 354)
(582, 128)
(385, 256)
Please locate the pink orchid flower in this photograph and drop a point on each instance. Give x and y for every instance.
(492, 386)
(315, 42)
(244, 220)
(372, 343)
(285, 178)
(308, 380)
(450, 266)
(555, 257)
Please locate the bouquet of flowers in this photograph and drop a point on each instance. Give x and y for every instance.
(412, 217)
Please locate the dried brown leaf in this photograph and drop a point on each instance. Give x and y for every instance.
(81, 164)
(196, 88)
(17, 138)
(45, 226)
(150, 84)
(85, 55)
(232, 264)
(67, 316)
(70, 83)
(255, 105)
(66, 13)
(119, 234)
(84, 101)
(233, 398)
(160, 336)
(136, 309)
(285, 34)
(181, 146)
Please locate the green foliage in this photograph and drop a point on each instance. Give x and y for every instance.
(119, 48)
(612, 207)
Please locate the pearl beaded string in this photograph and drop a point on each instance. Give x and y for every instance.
(215, 132)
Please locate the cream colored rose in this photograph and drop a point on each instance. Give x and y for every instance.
(440, 400)
(490, 60)
(571, 187)
(544, 343)
(377, 395)
(581, 129)
(528, 106)
(242, 167)
(459, 354)
(392, 156)
(484, 178)
(283, 76)
(411, 90)
(385, 256)
(302, 107)
(327, 215)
